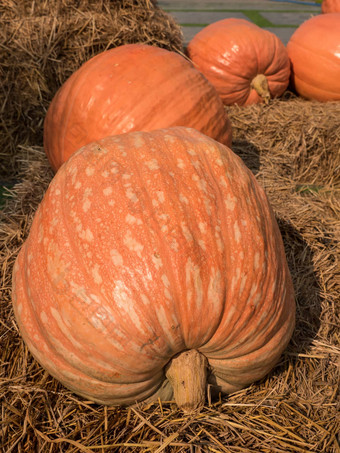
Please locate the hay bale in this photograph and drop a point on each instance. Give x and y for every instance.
(306, 131)
(295, 408)
(42, 43)
(293, 147)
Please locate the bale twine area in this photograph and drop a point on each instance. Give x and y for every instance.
(43, 42)
(292, 146)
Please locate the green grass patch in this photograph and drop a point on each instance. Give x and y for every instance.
(257, 18)
(308, 188)
(5, 194)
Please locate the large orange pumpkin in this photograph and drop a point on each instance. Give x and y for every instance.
(330, 6)
(314, 51)
(130, 88)
(245, 63)
(152, 256)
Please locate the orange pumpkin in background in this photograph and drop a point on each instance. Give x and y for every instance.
(330, 6)
(153, 256)
(245, 63)
(314, 52)
(131, 88)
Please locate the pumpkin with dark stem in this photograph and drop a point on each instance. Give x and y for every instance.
(314, 53)
(245, 63)
(131, 88)
(154, 263)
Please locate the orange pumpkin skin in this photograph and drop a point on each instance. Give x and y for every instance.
(315, 58)
(232, 52)
(131, 88)
(145, 245)
(330, 6)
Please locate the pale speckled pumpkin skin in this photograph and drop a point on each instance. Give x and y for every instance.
(145, 245)
(232, 52)
(134, 87)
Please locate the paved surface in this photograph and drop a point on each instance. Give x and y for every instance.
(282, 18)
(204, 17)
(279, 17)
(238, 5)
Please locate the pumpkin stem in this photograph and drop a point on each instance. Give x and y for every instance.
(187, 373)
(260, 85)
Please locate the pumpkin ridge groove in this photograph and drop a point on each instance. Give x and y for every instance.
(222, 262)
(81, 356)
(152, 223)
(34, 312)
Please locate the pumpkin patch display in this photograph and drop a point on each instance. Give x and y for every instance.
(153, 265)
(314, 53)
(330, 6)
(131, 88)
(245, 63)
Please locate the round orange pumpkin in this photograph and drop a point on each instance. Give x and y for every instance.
(315, 57)
(330, 6)
(131, 88)
(245, 63)
(152, 256)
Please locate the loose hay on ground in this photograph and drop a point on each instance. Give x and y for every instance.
(292, 146)
(43, 42)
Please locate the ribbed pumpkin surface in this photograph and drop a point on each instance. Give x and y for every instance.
(146, 245)
(330, 6)
(232, 52)
(314, 51)
(131, 88)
